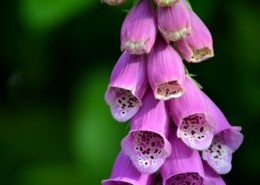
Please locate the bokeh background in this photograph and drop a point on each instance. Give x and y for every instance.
(55, 63)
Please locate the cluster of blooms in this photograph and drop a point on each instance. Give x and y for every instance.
(149, 86)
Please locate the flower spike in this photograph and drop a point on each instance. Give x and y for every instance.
(165, 71)
(226, 141)
(146, 143)
(139, 29)
(198, 46)
(127, 86)
(125, 173)
(174, 21)
(190, 114)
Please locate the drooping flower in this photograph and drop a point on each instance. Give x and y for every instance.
(166, 2)
(191, 115)
(174, 21)
(226, 141)
(113, 2)
(212, 176)
(183, 166)
(198, 46)
(146, 143)
(139, 29)
(127, 86)
(165, 71)
(124, 173)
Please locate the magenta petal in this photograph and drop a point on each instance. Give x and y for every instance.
(146, 143)
(183, 166)
(226, 141)
(198, 46)
(165, 71)
(127, 86)
(190, 114)
(174, 21)
(212, 177)
(125, 173)
(139, 29)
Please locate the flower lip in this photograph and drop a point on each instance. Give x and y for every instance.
(193, 178)
(135, 47)
(147, 150)
(168, 90)
(125, 173)
(113, 2)
(166, 2)
(176, 35)
(196, 131)
(219, 154)
(123, 103)
(201, 54)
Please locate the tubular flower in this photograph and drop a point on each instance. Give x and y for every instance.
(125, 173)
(198, 46)
(174, 21)
(166, 2)
(113, 2)
(127, 86)
(226, 141)
(183, 166)
(165, 71)
(138, 31)
(212, 176)
(146, 143)
(191, 115)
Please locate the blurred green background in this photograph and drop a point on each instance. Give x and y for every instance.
(55, 63)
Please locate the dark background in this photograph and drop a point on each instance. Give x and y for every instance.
(55, 63)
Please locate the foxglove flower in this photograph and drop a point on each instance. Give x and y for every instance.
(146, 143)
(127, 86)
(166, 2)
(138, 31)
(174, 21)
(227, 140)
(197, 46)
(125, 173)
(191, 115)
(165, 71)
(183, 166)
(212, 176)
(113, 2)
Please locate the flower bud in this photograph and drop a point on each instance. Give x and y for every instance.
(127, 86)
(165, 71)
(174, 21)
(147, 144)
(139, 29)
(198, 46)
